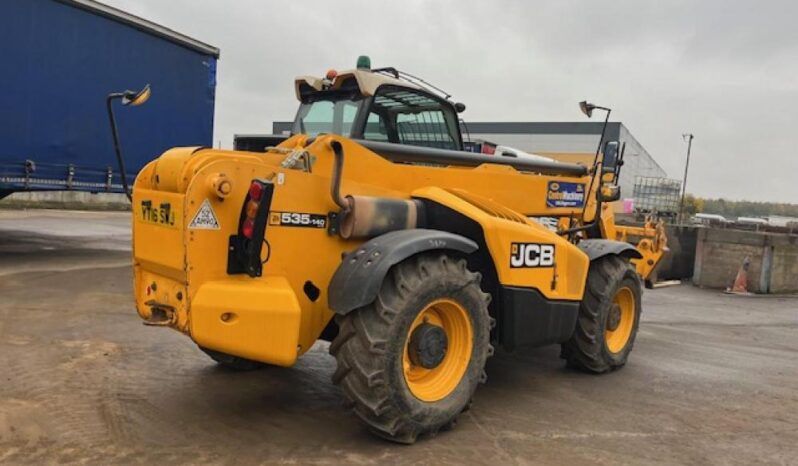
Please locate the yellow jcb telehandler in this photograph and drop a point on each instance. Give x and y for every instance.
(371, 228)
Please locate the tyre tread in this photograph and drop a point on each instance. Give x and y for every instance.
(585, 349)
(361, 345)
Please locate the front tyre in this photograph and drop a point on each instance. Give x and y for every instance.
(609, 316)
(409, 363)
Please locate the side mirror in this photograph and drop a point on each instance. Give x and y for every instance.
(459, 107)
(609, 163)
(135, 99)
(586, 108)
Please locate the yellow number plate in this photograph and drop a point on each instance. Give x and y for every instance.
(155, 213)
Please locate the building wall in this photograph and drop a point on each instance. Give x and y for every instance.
(77, 200)
(637, 162)
(773, 260)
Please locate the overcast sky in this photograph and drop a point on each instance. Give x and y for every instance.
(725, 71)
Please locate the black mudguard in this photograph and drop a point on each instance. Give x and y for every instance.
(359, 277)
(598, 248)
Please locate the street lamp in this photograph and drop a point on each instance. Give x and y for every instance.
(129, 98)
(689, 138)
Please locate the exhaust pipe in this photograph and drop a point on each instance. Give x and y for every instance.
(366, 216)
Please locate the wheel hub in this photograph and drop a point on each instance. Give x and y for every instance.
(614, 319)
(427, 346)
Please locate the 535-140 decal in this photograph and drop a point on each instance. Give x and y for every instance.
(297, 219)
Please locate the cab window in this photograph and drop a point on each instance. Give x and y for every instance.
(375, 128)
(330, 115)
(406, 116)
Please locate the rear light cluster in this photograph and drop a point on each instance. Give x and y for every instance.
(251, 211)
(245, 247)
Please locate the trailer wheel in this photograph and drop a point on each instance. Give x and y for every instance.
(409, 363)
(232, 362)
(609, 316)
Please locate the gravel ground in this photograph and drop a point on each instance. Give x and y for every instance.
(713, 380)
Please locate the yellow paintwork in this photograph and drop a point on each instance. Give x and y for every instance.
(652, 241)
(437, 383)
(571, 263)
(253, 319)
(617, 339)
(193, 262)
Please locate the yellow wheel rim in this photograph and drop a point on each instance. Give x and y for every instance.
(618, 337)
(437, 383)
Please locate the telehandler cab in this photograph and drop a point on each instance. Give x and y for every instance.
(372, 229)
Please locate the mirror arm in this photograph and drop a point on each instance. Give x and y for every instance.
(115, 133)
(620, 161)
(596, 157)
(596, 218)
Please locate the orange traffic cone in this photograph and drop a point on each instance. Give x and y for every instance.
(741, 280)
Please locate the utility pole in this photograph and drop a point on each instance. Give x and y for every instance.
(689, 138)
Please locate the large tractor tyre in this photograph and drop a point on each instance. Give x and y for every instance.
(232, 362)
(608, 317)
(409, 363)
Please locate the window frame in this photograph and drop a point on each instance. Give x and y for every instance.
(446, 107)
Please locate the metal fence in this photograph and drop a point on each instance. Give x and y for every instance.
(660, 195)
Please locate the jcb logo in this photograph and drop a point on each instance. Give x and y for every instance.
(531, 255)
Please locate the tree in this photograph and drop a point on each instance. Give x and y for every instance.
(732, 209)
(693, 205)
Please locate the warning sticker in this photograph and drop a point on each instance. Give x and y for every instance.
(205, 219)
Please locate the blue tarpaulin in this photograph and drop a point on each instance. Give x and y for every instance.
(60, 59)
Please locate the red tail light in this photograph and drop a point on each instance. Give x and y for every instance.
(247, 245)
(248, 227)
(255, 191)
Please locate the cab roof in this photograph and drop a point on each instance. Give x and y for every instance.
(364, 80)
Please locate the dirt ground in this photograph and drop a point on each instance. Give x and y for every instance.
(713, 380)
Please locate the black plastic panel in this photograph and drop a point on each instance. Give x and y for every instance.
(529, 319)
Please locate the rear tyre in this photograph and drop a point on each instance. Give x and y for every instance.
(651, 280)
(232, 362)
(608, 317)
(409, 363)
